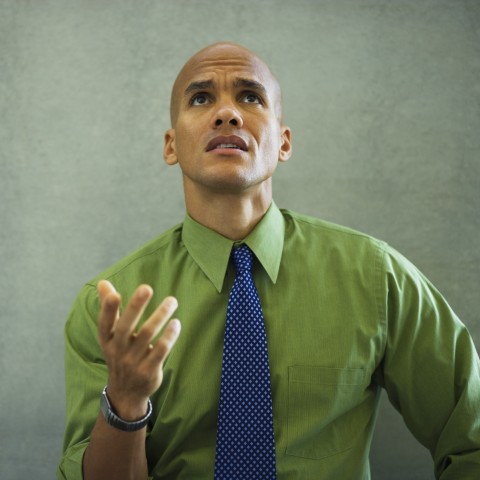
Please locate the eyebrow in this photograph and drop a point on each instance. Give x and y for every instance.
(239, 82)
(196, 86)
(251, 84)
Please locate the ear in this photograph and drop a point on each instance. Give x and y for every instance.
(286, 147)
(169, 149)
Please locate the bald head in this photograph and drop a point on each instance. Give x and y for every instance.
(218, 56)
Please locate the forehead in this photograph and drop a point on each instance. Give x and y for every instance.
(224, 63)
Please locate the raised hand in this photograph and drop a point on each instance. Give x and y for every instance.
(134, 359)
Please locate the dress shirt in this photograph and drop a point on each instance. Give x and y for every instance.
(345, 316)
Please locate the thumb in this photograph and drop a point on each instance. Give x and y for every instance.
(105, 288)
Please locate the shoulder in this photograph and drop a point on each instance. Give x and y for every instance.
(346, 244)
(325, 233)
(144, 259)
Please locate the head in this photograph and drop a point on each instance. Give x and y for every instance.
(226, 113)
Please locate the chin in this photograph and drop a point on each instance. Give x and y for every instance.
(234, 184)
(231, 185)
(228, 178)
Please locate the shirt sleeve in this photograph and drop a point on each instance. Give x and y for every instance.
(431, 370)
(85, 377)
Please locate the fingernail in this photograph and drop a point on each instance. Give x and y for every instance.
(144, 292)
(175, 325)
(172, 302)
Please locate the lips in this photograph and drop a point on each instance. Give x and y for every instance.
(230, 141)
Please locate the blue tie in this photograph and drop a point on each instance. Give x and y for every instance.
(245, 441)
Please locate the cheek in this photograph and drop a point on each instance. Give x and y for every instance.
(270, 142)
(186, 138)
(185, 130)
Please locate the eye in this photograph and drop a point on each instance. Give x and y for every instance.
(199, 99)
(250, 97)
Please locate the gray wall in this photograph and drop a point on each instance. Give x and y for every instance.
(383, 100)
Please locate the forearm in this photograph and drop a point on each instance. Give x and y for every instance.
(134, 373)
(115, 454)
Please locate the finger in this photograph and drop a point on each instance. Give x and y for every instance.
(108, 315)
(104, 288)
(152, 327)
(133, 311)
(160, 351)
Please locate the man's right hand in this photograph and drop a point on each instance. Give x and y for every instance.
(134, 359)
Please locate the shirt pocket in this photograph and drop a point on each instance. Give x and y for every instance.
(320, 420)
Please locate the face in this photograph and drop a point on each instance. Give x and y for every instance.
(226, 134)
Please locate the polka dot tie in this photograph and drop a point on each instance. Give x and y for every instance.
(245, 441)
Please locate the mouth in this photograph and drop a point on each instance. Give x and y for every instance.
(230, 142)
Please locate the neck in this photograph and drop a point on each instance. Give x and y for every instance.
(233, 215)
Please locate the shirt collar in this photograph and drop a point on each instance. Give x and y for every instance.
(211, 251)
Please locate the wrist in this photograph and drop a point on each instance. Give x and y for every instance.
(131, 417)
(130, 408)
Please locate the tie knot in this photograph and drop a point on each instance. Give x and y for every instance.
(242, 256)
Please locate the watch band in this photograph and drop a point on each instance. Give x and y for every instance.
(115, 421)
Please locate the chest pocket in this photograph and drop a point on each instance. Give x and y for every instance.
(322, 404)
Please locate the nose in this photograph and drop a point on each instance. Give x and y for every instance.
(227, 114)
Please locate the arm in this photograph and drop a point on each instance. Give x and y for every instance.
(134, 372)
(431, 371)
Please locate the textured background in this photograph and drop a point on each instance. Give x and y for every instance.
(383, 99)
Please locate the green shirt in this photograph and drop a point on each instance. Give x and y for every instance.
(345, 315)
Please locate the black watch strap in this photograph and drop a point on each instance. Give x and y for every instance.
(115, 421)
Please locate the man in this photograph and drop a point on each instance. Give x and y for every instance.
(343, 315)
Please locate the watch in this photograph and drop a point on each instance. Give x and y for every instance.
(115, 421)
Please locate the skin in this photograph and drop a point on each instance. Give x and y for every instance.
(223, 94)
(228, 193)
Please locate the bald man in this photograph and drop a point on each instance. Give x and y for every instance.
(344, 315)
